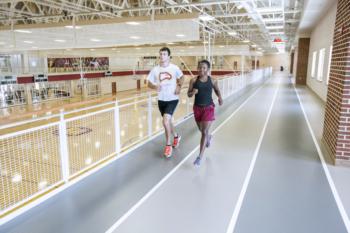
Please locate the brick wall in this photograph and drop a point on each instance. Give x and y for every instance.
(336, 131)
(302, 61)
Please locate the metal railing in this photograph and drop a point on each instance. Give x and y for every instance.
(40, 155)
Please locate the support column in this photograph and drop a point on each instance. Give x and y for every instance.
(336, 131)
(303, 58)
(242, 65)
(291, 62)
(255, 62)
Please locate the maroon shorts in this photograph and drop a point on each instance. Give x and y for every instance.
(205, 113)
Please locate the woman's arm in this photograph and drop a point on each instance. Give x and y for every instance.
(217, 92)
(191, 91)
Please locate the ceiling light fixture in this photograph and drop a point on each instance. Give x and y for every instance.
(275, 27)
(206, 17)
(28, 42)
(233, 33)
(23, 31)
(60, 41)
(133, 23)
(134, 37)
(72, 27)
(95, 40)
(180, 35)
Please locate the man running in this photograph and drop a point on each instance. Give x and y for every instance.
(167, 79)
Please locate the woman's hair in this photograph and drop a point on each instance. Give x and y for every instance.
(204, 62)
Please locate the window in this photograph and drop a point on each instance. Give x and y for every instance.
(313, 68)
(329, 63)
(320, 64)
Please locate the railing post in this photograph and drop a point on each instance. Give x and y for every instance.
(63, 142)
(149, 112)
(117, 127)
(187, 105)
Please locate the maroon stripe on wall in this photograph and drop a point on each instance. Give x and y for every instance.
(29, 79)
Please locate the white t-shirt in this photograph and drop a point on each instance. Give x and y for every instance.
(165, 77)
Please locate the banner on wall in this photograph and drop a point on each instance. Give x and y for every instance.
(74, 63)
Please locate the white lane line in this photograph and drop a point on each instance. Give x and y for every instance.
(157, 186)
(239, 202)
(340, 205)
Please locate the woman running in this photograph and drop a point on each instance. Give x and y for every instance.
(203, 109)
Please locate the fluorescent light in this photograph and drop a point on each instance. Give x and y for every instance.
(254, 45)
(180, 35)
(269, 9)
(170, 43)
(95, 40)
(61, 41)
(274, 27)
(134, 37)
(276, 33)
(233, 33)
(23, 31)
(28, 42)
(206, 17)
(205, 42)
(92, 49)
(246, 41)
(272, 19)
(133, 23)
(72, 27)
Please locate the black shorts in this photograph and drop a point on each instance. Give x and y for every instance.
(167, 107)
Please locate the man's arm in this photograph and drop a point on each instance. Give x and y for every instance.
(179, 83)
(150, 82)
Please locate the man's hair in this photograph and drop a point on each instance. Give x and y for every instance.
(204, 62)
(165, 49)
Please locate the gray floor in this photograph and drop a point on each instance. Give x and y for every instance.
(288, 191)
(314, 108)
(94, 204)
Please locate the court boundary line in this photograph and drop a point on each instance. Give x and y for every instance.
(335, 193)
(165, 178)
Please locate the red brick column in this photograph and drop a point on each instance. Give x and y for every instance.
(336, 131)
(302, 61)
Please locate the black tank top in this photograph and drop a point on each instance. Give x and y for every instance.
(205, 90)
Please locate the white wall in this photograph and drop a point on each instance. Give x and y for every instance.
(276, 61)
(321, 37)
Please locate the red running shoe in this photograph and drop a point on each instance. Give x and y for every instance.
(168, 150)
(176, 142)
